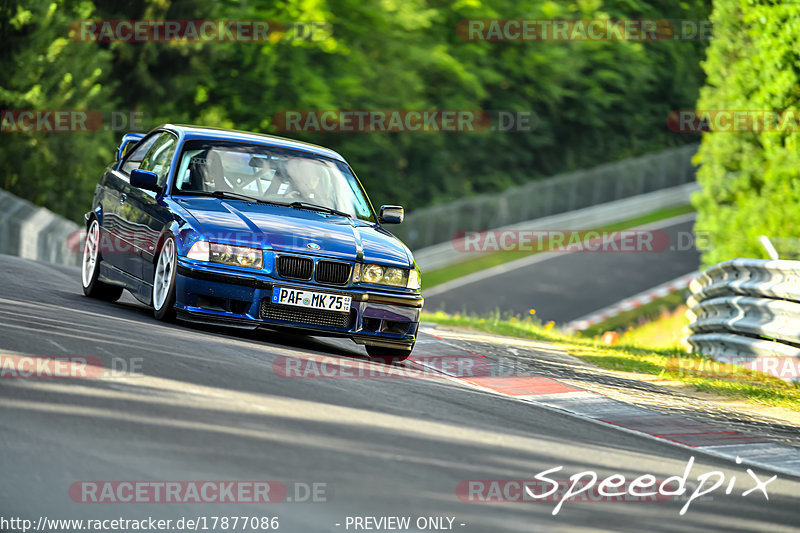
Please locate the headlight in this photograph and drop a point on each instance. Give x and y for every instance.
(227, 254)
(414, 280)
(381, 275)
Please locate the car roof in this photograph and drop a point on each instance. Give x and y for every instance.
(189, 132)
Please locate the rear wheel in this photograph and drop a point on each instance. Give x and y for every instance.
(164, 281)
(388, 356)
(90, 268)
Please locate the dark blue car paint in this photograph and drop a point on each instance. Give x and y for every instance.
(141, 219)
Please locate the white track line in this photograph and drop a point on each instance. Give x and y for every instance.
(537, 258)
(785, 459)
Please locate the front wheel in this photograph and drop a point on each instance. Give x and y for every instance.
(388, 356)
(164, 281)
(90, 268)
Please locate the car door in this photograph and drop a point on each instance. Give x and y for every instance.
(144, 211)
(116, 248)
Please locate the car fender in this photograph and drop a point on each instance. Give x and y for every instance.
(172, 229)
(97, 213)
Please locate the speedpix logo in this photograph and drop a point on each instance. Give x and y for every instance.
(587, 486)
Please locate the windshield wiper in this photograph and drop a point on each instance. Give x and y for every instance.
(233, 196)
(315, 207)
(303, 205)
(236, 196)
(219, 194)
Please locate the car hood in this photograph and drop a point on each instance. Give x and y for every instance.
(287, 229)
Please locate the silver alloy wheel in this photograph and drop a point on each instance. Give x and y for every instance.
(90, 250)
(163, 277)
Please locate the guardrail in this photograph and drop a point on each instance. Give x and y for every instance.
(632, 302)
(36, 233)
(452, 251)
(747, 312)
(558, 194)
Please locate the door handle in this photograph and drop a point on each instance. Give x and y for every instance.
(122, 198)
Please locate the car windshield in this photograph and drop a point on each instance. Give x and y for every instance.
(269, 174)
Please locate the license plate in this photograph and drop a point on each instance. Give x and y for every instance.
(312, 300)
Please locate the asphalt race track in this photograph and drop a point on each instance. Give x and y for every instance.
(566, 286)
(208, 405)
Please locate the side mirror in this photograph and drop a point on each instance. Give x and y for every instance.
(144, 179)
(129, 140)
(391, 214)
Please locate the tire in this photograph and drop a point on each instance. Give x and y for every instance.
(388, 356)
(164, 281)
(90, 268)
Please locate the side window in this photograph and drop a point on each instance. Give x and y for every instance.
(159, 157)
(134, 159)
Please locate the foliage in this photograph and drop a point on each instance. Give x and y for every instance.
(595, 101)
(45, 70)
(653, 316)
(750, 180)
(669, 364)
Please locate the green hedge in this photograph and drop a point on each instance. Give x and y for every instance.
(750, 180)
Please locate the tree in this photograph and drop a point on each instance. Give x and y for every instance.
(750, 179)
(43, 69)
(594, 101)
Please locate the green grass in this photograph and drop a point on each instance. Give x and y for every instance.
(667, 363)
(441, 275)
(639, 315)
(663, 331)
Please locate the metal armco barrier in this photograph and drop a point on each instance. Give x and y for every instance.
(35, 233)
(558, 194)
(747, 311)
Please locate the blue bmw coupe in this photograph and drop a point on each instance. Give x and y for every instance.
(248, 230)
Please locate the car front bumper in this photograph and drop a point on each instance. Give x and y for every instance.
(216, 295)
